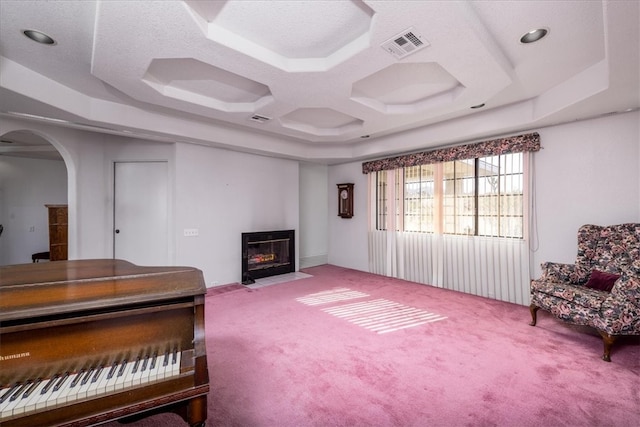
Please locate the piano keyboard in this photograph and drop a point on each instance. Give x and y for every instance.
(39, 394)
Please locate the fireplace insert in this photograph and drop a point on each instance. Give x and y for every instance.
(267, 253)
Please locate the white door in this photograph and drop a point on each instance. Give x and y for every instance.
(140, 212)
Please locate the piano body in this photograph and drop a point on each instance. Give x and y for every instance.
(88, 341)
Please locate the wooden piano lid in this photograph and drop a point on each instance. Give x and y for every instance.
(40, 289)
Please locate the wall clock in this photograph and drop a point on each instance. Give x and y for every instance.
(345, 200)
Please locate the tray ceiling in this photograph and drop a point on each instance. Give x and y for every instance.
(317, 80)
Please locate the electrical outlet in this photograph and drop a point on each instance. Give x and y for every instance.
(190, 232)
(32, 229)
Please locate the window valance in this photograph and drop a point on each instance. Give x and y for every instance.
(512, 144)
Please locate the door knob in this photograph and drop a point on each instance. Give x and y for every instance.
(117, 231)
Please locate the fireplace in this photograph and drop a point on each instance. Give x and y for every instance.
(267, 253)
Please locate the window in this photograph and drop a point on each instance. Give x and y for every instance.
(419, 198)
(477, 197)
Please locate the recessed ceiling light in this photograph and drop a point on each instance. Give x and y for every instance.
(39, 37)
(477, 106)
(534, 35)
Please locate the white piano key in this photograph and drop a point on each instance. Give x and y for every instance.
(85, 383)
(123, 374)
(57, 390)
(96, 381)
(5, 398)
(13, 400)
(154, 368)
(146, 369)
(30, 404)
(175, 364)
(112, 377)
(71, 388)
(45, 392)
(137, 372)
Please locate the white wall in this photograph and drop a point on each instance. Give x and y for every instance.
(26, 185)
(314, 211)
(348, 236)
(587, 172)
(223, 194)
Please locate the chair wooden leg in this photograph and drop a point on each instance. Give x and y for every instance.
(534, 314)
(608, 341)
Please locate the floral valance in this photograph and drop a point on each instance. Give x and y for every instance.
(512, 144)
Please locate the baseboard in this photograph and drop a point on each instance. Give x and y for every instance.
(312, 261)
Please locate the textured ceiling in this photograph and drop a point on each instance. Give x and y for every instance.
(318, 80)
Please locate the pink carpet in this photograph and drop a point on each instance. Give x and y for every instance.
(276, 360)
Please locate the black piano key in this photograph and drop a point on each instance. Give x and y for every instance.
(87, 376)
(50, 384)
(19, 391)
(154, 360)
(61, 381)
(112, 371)
(166, 358)
(97, 374)
(9, 392)
(122, 366)
(175, 356)
(34, 385)
(78, 377)
(144, 363)
(136, 366)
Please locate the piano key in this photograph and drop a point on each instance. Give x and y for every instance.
(30, 404)
(175, 366)
(50, 384)
(112, 371)
(78, 377)
(62, 389)
(57, 391)
(97, 382)
(20, 390)
(154, 360)
(137, 365)
(61, 381)
(72, 388)
(123, 366)
(8, 393)
(41, 402)
(97, 374)
(12, 400)
(29, 394)
(125, 379)
(154, 369)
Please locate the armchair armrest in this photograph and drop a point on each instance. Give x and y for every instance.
(628, 288)
(558, 272)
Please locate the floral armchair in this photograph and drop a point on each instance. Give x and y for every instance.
(602, 288)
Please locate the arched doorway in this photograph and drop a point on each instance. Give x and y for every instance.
(32, 174)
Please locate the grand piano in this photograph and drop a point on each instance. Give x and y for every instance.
(88, 341)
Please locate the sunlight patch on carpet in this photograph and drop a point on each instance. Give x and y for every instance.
(383, 316)
(333, 295)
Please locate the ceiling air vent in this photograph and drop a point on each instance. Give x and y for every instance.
(260, 119)
(405, 43)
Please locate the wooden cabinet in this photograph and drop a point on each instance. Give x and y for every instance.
(58, 215)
